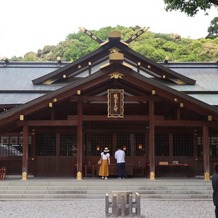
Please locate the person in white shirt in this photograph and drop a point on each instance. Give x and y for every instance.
(120, 159)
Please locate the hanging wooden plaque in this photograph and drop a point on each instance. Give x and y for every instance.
(115, 98)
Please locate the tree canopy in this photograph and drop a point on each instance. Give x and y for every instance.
(190, 7)
(156, 46)
(213, 29)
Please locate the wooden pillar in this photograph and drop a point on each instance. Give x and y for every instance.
(25, 153)
(79, 140)
(151, 141)
(52, 114)
(114, 144)
(58, 145)
(132, 144)
(178, 114)
(33, 152)
(206, 153)
(170, 147)
(195, 140)
(147, 145)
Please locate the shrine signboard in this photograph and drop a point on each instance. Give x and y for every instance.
(115, 98)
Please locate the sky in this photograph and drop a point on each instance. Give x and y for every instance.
(29, 25)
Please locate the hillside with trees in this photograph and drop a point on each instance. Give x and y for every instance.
(156, 46)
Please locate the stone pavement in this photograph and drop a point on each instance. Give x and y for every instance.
(95, 208)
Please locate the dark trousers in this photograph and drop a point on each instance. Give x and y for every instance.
(216, 211)
(121, 170)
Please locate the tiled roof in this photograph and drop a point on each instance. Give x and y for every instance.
(16, 86)
(206, 76)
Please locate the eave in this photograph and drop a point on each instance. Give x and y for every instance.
(101, 77)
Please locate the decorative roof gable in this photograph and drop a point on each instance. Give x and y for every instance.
(101, 56)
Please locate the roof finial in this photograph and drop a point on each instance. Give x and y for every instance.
(136, 35)
(114, 35)
(90, 34)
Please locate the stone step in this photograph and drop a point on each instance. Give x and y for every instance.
(42, 189)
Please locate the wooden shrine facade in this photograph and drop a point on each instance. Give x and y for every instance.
(63, 132)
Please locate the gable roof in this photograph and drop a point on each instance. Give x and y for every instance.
(101, 77)
(101, 55)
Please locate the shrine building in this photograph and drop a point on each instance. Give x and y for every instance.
(56, 117)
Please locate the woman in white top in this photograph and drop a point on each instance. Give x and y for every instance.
(105, 162)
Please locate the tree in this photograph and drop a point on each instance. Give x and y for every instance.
(155, 46)
(46, 53)
(209, 51)
(213, 29)
(15, 58)
(190, 7)
(30, 56)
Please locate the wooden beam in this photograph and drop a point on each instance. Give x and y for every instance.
(91, 35)
(48, 123)
(182, 123)
(137, 34)
(105, 118)
(104, 98)
(158, 121)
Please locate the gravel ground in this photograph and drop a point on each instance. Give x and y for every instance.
(96, 209)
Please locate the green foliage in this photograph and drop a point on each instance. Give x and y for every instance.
(213, 29)
(156, 46)
(15, 58)
(190, 7)
(209, 51)
(30, 56)
(46, 54)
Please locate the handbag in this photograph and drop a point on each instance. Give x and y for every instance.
(99, 162)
